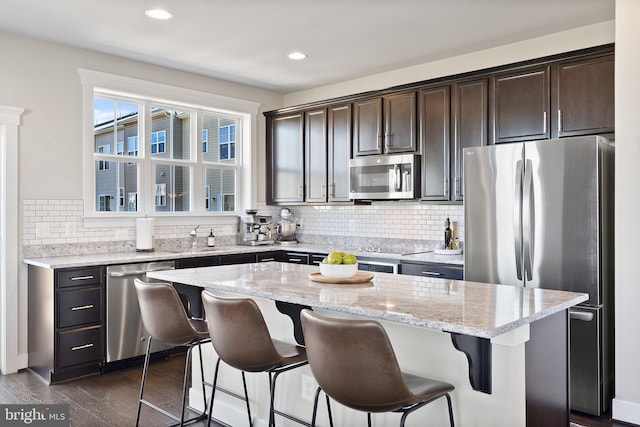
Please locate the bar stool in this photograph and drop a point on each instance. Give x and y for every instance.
(354, 363)
(164, 315)
(242, 341)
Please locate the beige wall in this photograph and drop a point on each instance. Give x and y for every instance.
(626, 406)
(43, 78)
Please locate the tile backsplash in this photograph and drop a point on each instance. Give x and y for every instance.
(57, 227)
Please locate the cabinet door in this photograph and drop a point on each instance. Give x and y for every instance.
(470, 123)
(316, 155)
(367, 127)
(399, 122)
(585, 97)
(285, 172)
(339, 152)
(520, 106)
(435, 121)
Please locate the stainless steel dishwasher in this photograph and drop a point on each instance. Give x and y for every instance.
(126, 335)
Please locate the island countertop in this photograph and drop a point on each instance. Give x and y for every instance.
(470, 308)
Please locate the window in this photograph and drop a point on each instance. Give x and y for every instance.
(143, 153)
(161, 194)
(227, 142)
(158, 142)
(132, 146)
(205, 140)
(103, 164)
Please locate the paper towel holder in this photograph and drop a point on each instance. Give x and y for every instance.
(144, 234)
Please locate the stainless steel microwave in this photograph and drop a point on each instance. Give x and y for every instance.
(385, 177)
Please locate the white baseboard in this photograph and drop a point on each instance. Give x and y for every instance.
(628, 412)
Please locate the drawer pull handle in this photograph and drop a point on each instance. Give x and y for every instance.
(82, 307)
(431, 273)
(267, 259)
(295, 259)
(82, 278)
(81, 347)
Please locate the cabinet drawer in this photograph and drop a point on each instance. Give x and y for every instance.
(80, 307)
(296, 258)
(79, 346)
(440, 271)
(78, 277)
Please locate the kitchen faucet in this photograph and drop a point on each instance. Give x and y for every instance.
(194, 235)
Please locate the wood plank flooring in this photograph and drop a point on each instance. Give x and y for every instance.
(111, 399)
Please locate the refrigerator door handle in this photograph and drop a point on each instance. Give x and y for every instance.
(528, 219)
(517, 219)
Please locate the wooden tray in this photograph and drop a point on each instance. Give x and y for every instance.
(360, 277)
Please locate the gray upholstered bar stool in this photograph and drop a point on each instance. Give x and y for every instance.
(242, 341)
(354, 363)
(164, 315)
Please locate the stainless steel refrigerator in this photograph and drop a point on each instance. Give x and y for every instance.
(540, 214)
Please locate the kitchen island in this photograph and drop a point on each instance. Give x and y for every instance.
(511, 369)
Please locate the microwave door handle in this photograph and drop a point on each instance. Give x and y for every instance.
(397, 185)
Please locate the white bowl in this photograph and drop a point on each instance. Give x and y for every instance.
(338, 271)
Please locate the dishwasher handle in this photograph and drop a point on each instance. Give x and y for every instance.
(137, 272)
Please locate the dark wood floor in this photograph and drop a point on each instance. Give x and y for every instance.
(111, 399)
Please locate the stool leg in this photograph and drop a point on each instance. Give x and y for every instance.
(204, 392)
(144, 378)
(450, 409)
(369, 419)
(272, 387)
(315, 407)
(246, 397)
(213, 392)
(329, 411)
(185, 384)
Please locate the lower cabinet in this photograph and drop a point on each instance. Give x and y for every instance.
(441, 271)
(66, 322)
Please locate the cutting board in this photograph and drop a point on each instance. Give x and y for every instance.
(360, 277)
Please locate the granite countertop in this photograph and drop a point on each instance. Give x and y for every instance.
(471, 308)
(178, 253)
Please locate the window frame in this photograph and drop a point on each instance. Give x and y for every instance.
(150, 93)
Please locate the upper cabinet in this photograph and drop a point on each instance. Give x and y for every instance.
(385, 124)
(521, 103)
(339, 152)
(470, 115)
(434, 118)
(285, 158)
(584, 96)
(315, 153)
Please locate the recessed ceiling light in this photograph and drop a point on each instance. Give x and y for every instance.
(297, 56)
(158, 14)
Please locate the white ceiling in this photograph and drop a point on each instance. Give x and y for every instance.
(247, 41)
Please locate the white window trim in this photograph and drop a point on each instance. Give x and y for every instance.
(246, 183)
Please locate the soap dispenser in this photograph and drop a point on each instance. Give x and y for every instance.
(211, 239)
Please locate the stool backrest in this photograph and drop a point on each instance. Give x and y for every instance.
(353, 362)
(163, 313)
(239, 333)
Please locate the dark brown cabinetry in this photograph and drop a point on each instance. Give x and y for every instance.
(441, 271)
(339, 139)
(521, 103)
(285, 156)
(315, 153)
(434, 108)
(584, 97)
(66, 322)
(470, 117)
(385, 124)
